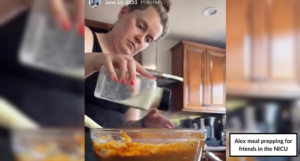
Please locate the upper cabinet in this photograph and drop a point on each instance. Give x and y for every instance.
(203, 70)
(216, 78)
(238, 42)
(262, 48)
(282, 61)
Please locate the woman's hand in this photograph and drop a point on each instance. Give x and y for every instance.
(155, 120)
(60, 14)
(134, 89)
(123, 63)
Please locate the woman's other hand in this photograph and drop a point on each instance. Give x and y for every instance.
(123, 63)
(61, 15)
(155, 120)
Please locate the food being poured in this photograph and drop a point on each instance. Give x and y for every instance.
(108, 149)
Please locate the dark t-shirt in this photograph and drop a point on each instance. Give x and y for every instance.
(48, 99)
(42, 96)
(105, 113)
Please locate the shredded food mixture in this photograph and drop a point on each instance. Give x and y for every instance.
(135, 151)
(54, 150)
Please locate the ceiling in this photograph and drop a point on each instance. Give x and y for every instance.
(186, 20)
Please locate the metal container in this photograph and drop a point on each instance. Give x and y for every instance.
(148, 144)
(211, 122)
(224, 121)
(202, 123)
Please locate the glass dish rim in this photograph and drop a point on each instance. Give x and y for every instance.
(148, 130)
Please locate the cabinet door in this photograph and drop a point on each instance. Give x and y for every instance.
(282, 46)
(298, 38)
(237, 40)
(193, 86)
(282, 65)
(215, 80)
(238, 47)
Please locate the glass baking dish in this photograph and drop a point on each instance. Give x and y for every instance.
(148, 144)
(48, 145)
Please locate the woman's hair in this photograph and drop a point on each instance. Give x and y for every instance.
(161, 6)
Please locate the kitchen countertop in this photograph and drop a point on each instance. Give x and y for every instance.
(217, 148)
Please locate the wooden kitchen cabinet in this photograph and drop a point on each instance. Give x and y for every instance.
(282, 66)
(237, 40)
(203, 70)
(216, 78)
(262, 48)
(238, 44)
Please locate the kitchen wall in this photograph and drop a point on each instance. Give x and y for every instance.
(163, 60)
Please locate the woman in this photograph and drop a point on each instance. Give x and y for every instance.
(138, 25)
(94, 4)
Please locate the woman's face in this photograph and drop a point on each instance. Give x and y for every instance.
(136, 30)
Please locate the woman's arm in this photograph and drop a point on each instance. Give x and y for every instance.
(88, 56)
(88, 63)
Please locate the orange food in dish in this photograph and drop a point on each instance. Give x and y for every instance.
(54, 150)
(137, 151)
